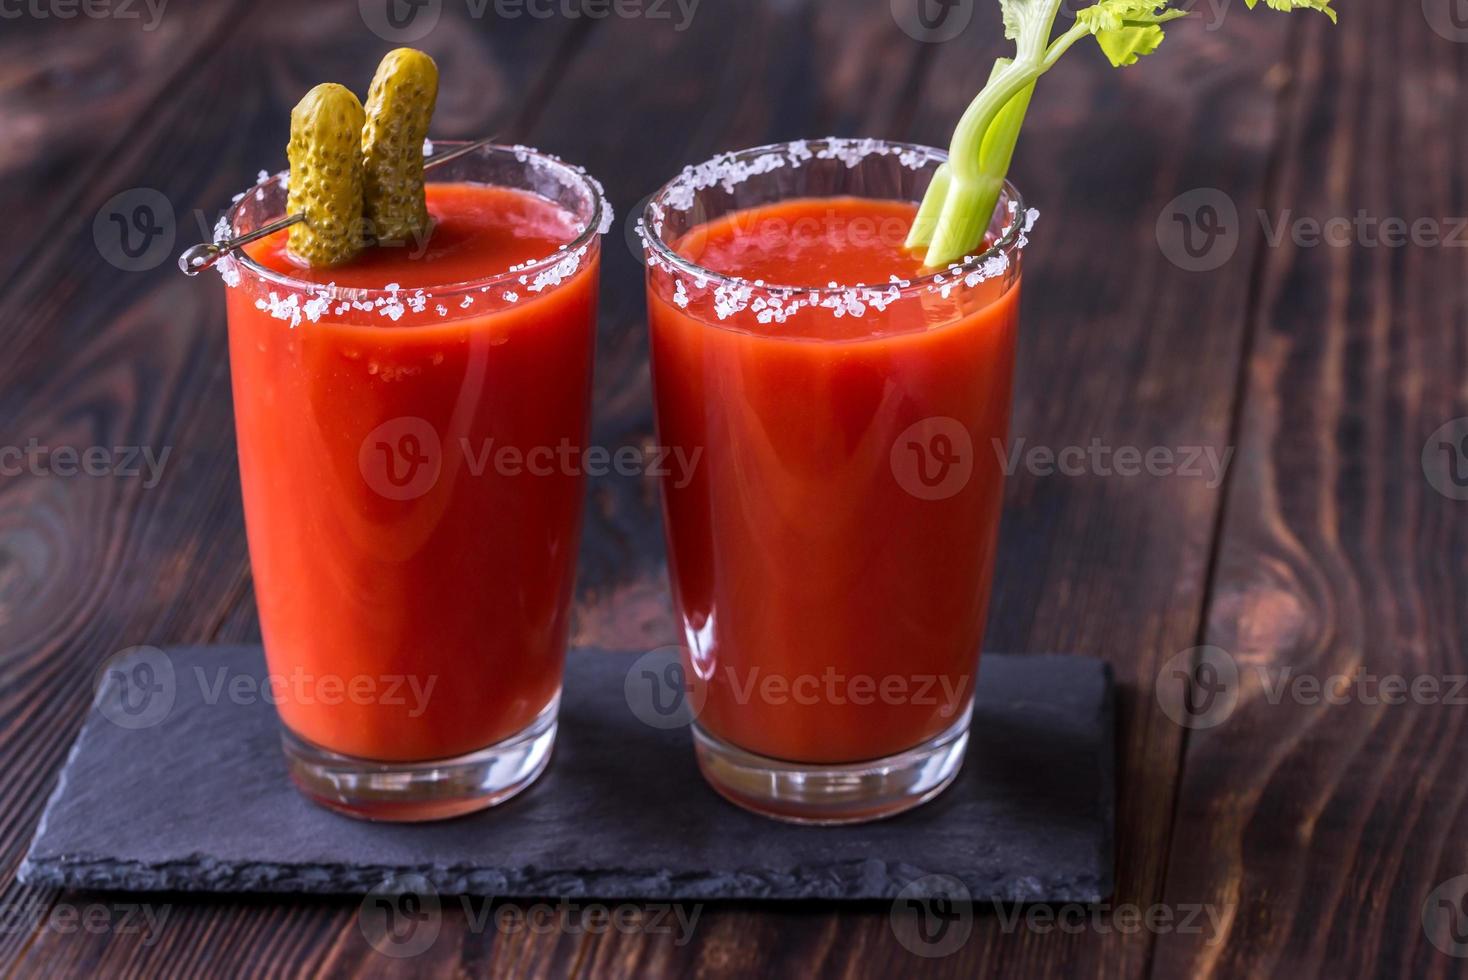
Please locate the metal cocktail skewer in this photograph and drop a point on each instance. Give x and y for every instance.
(204, 255)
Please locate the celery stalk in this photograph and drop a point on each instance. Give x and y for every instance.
(960, 201)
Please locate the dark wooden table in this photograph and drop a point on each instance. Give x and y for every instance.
(1316, 831)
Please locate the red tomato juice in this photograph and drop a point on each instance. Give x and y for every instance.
(414, 594)
(831, 555)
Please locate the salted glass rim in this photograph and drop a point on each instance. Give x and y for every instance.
(595, 228)
(1010, 240)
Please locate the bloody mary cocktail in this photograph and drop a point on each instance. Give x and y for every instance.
(831, 555)
(414, 592)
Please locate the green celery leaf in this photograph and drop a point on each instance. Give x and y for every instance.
(1287, 5)
(1113, 15)
(1127, 29)
(1124, 46)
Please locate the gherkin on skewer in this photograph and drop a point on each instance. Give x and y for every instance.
(326, 179)
(399, 109)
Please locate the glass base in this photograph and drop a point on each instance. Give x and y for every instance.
(855, 792)
(410, 792)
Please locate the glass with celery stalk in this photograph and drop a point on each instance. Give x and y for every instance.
(833, 328)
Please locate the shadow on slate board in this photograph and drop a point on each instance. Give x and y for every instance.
(198, 800)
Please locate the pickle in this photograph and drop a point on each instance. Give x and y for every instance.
(326, 179)
(399, 110)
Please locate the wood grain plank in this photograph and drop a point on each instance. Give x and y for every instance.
(70, 92)
(91, 565)
(1320, 830)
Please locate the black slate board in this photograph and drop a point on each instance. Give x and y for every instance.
(200, 802)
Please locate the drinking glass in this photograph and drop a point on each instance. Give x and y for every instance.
(832, 551)
(414, 587)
